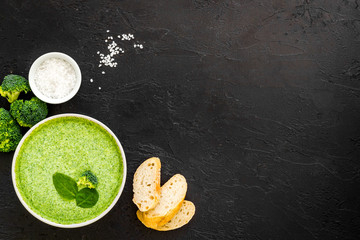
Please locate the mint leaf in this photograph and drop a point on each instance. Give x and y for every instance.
(86, 197)
(65, 186)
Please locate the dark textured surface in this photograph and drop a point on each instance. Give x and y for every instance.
(255, 102)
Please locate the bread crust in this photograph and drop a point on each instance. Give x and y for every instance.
(170, 226)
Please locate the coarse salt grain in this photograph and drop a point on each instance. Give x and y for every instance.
(139, 46)
(55, 78)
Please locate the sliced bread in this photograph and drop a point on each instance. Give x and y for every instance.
(146, 184)
(172, 195)
(182, 217)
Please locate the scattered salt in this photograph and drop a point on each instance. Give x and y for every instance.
(108, 59)
(127, 37)
(138, 45)
(55, 78)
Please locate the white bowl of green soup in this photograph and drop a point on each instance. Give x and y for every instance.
(69, 170)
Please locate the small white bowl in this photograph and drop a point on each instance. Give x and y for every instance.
(35, 66)
(75, 225)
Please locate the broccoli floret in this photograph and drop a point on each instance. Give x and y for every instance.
(12, 86)
(29, 112)
(87, 179)
(10, 134)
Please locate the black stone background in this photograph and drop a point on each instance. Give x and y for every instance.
(255, 102)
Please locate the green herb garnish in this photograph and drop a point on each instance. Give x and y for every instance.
(86, 197)
(68, 189)
(65, 186)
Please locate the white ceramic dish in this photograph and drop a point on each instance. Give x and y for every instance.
(35, 66)
(77, 224)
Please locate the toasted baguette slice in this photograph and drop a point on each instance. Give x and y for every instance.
(182, 217)
(146, 184)
(172, 195)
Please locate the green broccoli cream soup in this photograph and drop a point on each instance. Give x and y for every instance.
(71, 146)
